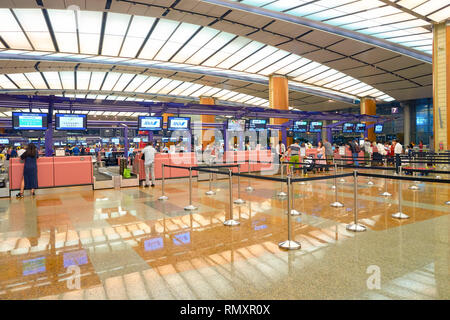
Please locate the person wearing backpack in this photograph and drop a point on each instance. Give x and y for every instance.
(354, 149)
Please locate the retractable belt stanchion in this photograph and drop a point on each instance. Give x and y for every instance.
(414, 187)
(355, 226)
(190, 207)
(342, 180)
(400, 214)
(163, 196)
(289, 243)
(281, 194)
(230, 222)
(385, 193)
(210, 192)
(249, 188)
(334, 186)
(293, 211)
(336, 203)
(239, 200)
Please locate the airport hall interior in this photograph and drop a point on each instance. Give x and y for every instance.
(224, 150)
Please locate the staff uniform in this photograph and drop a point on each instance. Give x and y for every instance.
(398, 150)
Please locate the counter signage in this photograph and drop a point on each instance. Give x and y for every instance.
(29, 121)
(300, 126)
(150, 123)
(70, 121)
(4, 141)
(378, 128)
(315, 126)
(360, 127)
(175, 123)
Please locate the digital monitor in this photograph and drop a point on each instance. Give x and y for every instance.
(136, 139)
(236, 125)
(146, 123)
(315, 126)
(65, 121)
(257, 124)
(164, 139)
(84, 143)
(348, 128)
(4, 141)
(378, 128)
(105, 140)
(75, 258)
(145, 139)
(300, 126)
(153, 244)
(115, 140)
(16, 144)
(29, 121)
(360, 127)
(56, 144)
(177, 123)
(33, 266)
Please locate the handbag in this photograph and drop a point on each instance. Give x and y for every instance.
(126, 173)
(143, 156)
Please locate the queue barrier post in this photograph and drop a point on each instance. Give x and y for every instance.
(334, 186)
(239, 200)
(163, 196)
(210, 192)
(400, 214)
(336, 203)
(190, 207)
(249, 188)
(230, 222)
(281, 193)
(355, 226)
(385, 193)
(289, 244)
(342, 180)
(293, 211)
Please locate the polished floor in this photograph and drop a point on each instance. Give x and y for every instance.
(130, 245)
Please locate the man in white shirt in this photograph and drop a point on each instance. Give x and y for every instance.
(20, 151)
(149, 159)
(398, 150)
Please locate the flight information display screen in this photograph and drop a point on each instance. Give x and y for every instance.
(29, 121)
(178, 123)
(70, 121)
(348, 128)
(360, 127)
(150, 123)
(257, 124)
(315, 126)
(378, 128)
(4, 141)
(236, 125)
(300, 126)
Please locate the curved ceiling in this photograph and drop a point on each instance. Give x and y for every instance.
(353, 69)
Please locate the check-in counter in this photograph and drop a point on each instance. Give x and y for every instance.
(55, 171)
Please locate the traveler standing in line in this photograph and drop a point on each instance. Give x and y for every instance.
(30, 179)
(13, 153)
(293, 153)
(366, 149)
(354, 149)
(321, 156)
(328, 153)
(398, 150)
(148, 155)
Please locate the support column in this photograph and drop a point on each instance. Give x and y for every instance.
(441, 86)
(206, 118)
(369, 107)
(279, 99)
(406, 124)
(125, 142)
(49, 132)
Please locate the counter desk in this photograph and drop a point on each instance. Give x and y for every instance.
(55, 171)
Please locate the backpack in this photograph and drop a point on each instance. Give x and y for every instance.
(357, 148)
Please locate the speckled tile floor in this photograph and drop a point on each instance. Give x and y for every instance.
(129, 245)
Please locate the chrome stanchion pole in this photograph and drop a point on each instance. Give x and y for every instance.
(400, 214)
(385, 193)
(210, 192)
(230, 222)
(355, 226)
(239, 200)
(289, 244)
(249, 188)
(163, 196)
(293, 211)
(336, 203)
(190, 207)
(334, 186)
(342, 180)
(281, 194)
(414, 187)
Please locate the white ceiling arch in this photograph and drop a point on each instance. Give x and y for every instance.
(117, 38)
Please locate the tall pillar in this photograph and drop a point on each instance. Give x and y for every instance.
(407, 124)
(49, 132)
(369, 107)
(279, 98)
(206, 118)
(441, 86)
